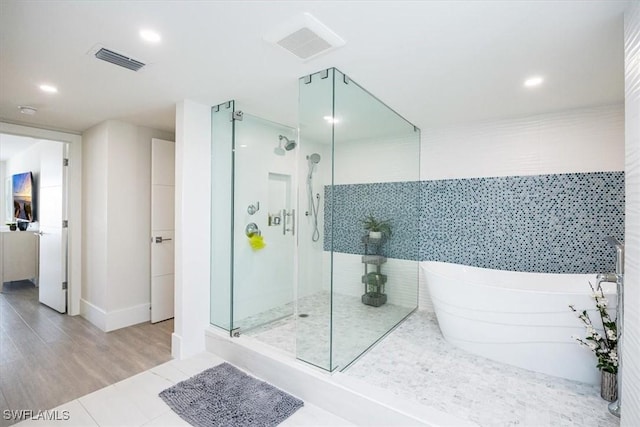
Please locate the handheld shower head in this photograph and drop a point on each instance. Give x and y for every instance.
(314, 158)
(290, 144)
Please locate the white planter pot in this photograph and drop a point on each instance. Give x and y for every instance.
(375, 234)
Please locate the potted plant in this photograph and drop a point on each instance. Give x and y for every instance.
(603, 345)
(377, 228)
(12, 226)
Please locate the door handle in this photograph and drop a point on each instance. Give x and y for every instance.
(161, 239)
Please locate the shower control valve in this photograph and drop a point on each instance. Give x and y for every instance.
(251, 209)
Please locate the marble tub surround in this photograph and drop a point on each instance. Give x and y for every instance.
(416, 363)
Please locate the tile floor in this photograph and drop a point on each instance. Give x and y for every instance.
(135, 401)
(356, 327)
(415, 362)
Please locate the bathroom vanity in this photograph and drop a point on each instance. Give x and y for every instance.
(18, 256)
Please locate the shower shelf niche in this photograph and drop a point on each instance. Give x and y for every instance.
(373, 281)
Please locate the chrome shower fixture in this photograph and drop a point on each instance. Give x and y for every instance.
(313, 159)
(289, 145)
(314, 205)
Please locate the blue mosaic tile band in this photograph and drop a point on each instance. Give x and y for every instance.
(397, 202)
(543, 223)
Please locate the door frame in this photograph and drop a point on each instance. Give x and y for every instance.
(74, 203)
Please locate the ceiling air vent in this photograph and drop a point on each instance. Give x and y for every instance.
(119, 59)
(305, 37)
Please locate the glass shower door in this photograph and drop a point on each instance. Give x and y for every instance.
(264, 215)
(253, 230)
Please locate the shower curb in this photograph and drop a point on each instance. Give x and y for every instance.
(346, 397)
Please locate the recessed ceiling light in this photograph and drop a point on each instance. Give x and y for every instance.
(533, 81)
(48, 88)
(24, 109)
(330, 119)
(150, 36)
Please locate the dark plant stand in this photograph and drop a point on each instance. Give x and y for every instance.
(374, 280)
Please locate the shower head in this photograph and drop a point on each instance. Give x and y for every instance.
(289, 143)
(314, 158)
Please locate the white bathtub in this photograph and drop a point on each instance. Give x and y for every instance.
(522, 319)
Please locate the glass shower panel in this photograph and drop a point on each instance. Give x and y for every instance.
(264, 233)
(222, 128)
(376, 166)
(313, 322)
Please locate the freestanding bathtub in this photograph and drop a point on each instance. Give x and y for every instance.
(522, 319)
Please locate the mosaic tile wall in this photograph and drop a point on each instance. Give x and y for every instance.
(543, 223)
(394, 201)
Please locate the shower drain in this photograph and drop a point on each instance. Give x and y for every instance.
(303, 315)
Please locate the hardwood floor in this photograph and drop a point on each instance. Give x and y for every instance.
(47, 358)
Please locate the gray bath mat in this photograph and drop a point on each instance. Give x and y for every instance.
(225, 396)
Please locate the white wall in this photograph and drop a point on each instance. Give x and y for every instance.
(3, 194)
(193, 227)
(313, 268)
(263, 279)
(28, 161)
(378, 160)
(116, 290)
(401, 274)
(581, 140)
(631, 345)
(94, 237)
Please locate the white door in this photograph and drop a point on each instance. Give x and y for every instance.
(53, 236)
(162, 228)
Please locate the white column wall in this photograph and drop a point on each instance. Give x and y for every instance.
(3, 193)
(193, 227)
(116, 285)
(94, 238)
(631, 346)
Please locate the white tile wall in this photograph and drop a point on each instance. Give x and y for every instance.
(382, 160)
(401, 278)
(631, 347)
(581, 140)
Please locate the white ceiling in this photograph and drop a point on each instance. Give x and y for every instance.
(434, 62)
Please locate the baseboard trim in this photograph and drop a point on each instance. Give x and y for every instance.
(176, 346)
(122, 318)
(93, 314)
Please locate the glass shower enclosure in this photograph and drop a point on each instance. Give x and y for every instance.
(253, 221)
(291, 208)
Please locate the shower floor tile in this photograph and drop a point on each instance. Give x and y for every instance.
(356, 326)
